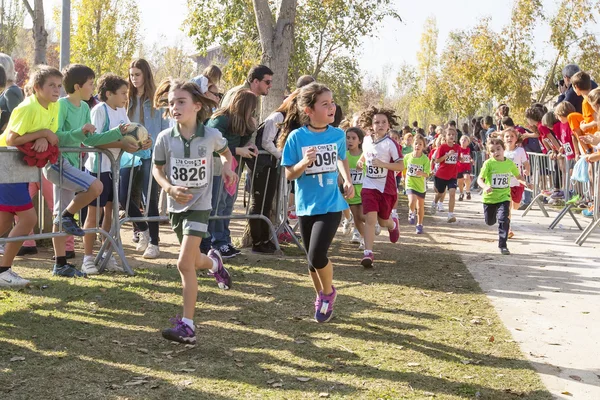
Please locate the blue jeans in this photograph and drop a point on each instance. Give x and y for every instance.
(222, 206)
(526, 197)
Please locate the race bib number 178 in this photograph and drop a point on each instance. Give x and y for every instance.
(500, 181)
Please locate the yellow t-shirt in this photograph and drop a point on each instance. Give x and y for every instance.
(29, 117)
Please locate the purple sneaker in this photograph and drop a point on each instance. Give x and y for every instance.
(181, 332)
(412, 218)
(419, 229)
(559, 194)
(324, 306)
(222, 275)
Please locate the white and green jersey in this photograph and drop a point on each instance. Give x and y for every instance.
(189, 163)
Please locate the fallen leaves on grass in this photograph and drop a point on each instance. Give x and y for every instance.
(17, 358)
(302, 379)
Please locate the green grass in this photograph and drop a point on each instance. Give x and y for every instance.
(415, 327)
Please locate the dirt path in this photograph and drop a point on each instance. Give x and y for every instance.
(546, 292)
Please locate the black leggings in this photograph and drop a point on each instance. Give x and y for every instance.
(264, 187)
(317, 233)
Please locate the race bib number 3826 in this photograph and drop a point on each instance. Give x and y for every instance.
(189, 172)
(326, 159)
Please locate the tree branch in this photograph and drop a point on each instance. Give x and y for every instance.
(28, 7)
(264, 23)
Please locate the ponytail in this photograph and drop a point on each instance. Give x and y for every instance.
(168, 85)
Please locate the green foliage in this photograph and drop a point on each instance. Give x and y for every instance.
(12, 14)
(327, 37)
(104, 28)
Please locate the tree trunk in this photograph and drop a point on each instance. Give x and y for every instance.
(277, 41)
(40, 35)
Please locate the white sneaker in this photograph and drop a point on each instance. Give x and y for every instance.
(451, 218)
(112, 265)
(440, 206)
(152, 251)
(9, 279)
(355, 237)
(89, 267)
(377, 229)
(362, 244)
(144, 240)
(346, 226)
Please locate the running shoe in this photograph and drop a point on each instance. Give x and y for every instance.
(587, 213)
(180, 332)
(292, 215)
(112, 265)
(10, 279)
(377, 229)
(395, 232)
(222, 276)
(262, 248)
(68, 271)
(235, 250)
(89, 267)
(355, 237)
(412, 218)
(419, 229)
(143, 240)
(558, 195)
(367, 260)
(27, 250)
(433, 208)
(227, 251)
(451, 218)
(69, 225)
(504, 251)
(151, 252)
(468, 195)
(346, 225)
(324, 307)
(440, 207)
(285, 237)
(461, 197)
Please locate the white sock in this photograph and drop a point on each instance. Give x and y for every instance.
(86, 258)
(215, 266)
(367, 252)
(450, 214)
(189, 323)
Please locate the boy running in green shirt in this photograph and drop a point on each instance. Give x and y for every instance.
(418, 168)
(494, 179)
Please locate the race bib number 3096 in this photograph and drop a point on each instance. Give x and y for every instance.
(326, 160)
(189, 172)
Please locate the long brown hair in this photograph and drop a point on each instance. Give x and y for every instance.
(291, 120)
(306, 97)
(168, 85)
(149, 88)
(240, 113)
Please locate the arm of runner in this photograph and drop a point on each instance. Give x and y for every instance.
(344, 169)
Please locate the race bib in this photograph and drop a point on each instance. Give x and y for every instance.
(568, 149)
(189, 172)
(465, 159)
(414, 169)
(500, 181)
(452, 158)
(326, 160)
(375, 172)
(357, 176)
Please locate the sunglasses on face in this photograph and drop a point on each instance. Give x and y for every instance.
(268, 82)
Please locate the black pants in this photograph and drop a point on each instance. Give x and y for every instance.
(263, 189)
(499, 212)
(317, 233)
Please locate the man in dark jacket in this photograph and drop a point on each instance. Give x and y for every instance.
(569, 94)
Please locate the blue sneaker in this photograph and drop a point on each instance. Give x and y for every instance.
(181, 332)
(324, 306)
(69, 225)
(68, 271)
(419, 229)
(222, 276)
(588, 213)
(411, 218)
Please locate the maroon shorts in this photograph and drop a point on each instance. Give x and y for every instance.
(375, 201)
(516, 193)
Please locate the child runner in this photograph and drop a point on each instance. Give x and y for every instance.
(465, 162)
(418, 168)
(494, 179)
(183, 168)
(34, 120)
(382, 159)
(354, 140)
(313, 156)
(517, 155)
(445, 176)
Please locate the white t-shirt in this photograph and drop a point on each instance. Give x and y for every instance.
(115, 118)
(519, 157)
(384, 149)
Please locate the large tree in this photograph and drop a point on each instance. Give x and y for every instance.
(40, 35)
(106, 35)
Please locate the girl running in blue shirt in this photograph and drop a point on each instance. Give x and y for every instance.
(312, 156)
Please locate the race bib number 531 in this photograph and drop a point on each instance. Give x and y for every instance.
(189, 172)
(326, 160)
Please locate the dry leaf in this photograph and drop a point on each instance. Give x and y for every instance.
(413, 364)
(299, 341)
(271, 381)
(190, 346)
(187, 382)
(240, 365)
(277, 385)
(302, 379)
(491, 339)
(567, 393)
(17, 359)
(476, 321)
(190, 370)
(134, 383)
(429, 394)
(575, 378)
(142, 350)
(166, 353)
(229, 353)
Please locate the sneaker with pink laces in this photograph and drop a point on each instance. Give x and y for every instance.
(394, 233)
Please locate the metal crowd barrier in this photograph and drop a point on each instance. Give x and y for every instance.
(13, 170)
(234, 216)
(596, 208)
(546, 175)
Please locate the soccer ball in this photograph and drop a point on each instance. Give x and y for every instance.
(136, 134)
